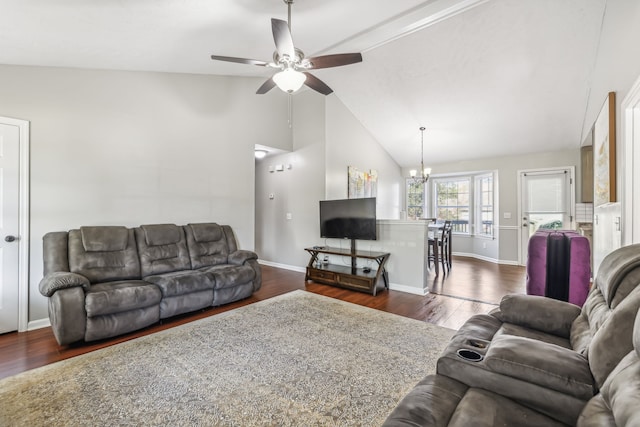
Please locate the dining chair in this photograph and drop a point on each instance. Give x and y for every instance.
(440, 238)
(448, 229)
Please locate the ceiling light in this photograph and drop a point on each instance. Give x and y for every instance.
(289, 80)
(424, 172)
(260, 154)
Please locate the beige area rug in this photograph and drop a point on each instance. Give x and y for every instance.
(299, 359)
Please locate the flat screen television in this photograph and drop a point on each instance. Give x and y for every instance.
(353, 219)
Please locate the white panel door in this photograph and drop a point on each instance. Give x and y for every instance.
(9, 226)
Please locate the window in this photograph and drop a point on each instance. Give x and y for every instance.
(484, 197)
(415, 199)
(467, 200)
(452, 202)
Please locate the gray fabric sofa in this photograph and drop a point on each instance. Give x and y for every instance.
(537, 359)
(110, 280)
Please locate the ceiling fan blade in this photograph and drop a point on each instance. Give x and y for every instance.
(328, 61)
(316, 84)
(266, 86)
(282, 38)
(239, 60)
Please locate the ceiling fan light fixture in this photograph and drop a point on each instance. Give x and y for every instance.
(289, 80)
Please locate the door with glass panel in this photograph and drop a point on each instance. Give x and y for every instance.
(546, 199)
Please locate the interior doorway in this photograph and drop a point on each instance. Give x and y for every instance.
(14, 224)
(546, 201)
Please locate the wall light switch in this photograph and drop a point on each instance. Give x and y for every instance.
(289, 216)
(279, 168)
(507, 215)
(271, 169)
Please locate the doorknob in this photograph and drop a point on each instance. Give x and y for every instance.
(10, 239)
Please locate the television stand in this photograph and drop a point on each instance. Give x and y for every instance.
(344, 276)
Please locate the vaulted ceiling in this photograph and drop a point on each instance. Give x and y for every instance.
(486, 77)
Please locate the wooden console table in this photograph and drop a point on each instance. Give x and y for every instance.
(349, 277)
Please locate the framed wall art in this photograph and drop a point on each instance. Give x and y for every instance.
(604, 153)
(361, 184)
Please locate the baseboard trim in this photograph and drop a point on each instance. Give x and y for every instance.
(38, 324)
(408, 289)
(484, 258)
(283, 266)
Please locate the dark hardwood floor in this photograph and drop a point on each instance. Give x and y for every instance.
(471, 287)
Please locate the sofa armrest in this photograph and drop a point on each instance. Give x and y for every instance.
(540, 313)
(61, 280)
(241, 256)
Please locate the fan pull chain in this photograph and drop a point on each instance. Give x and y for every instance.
(289, 102)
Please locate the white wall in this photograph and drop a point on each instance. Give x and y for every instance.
(296, 191)
(350, 144)
(326, 139)
(131, 148)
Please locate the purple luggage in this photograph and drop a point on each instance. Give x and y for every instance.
(559, 265)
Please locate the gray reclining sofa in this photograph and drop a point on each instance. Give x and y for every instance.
(110, 280)
(534, 361)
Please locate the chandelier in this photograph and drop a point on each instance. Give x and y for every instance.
(424, 172)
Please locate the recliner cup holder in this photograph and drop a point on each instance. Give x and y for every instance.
(470, 355)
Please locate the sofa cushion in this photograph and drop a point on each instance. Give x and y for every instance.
(614, 339)
(619, 398)
(104, 239)
(173, 306)
(230, 275)
(55, 252)
(483, 408)
(182, 282)
(486, 327)
(509, 329)
(207, 244)
(621, 391)
(612, 277)
(113, 263)
(203, 233)
(539, 313)
(162, 234)
(537, 362)
(439, 401)
(162, 249)
(596, 414)
(117, 297)
(110, 325)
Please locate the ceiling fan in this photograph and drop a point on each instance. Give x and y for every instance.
(292, 63)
